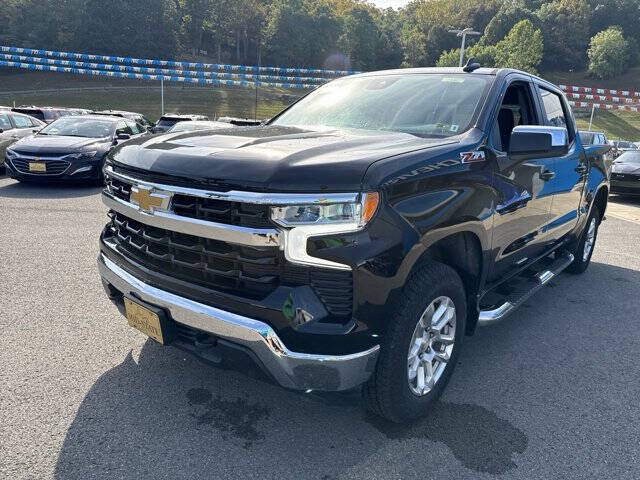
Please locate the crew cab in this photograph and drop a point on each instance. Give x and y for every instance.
(354, 239)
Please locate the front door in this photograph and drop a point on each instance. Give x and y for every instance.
(524, 188)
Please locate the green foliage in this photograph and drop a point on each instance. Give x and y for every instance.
(330, 33)
(484, 54)
(522, 48)
(565, 29)
(359, 39)
(609, 53)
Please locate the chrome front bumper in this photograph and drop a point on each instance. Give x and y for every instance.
(300, 371)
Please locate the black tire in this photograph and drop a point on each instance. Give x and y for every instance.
(387, 393)
(580, 263)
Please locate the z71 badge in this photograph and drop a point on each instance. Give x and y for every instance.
(472, 157)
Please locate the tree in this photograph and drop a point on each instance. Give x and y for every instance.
(522, 48)
(359, 39)
(510, 13)
(483, 54)
(565, 28)
(300, 33)
(609, 53)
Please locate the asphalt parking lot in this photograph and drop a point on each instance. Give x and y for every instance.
(551, 393)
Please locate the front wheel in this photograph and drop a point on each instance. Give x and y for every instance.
(586, 244)
(421, 345)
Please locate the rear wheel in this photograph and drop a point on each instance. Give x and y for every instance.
(421, 346)
(586, 244)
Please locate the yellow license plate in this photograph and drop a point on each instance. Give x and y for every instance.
(143, 319)
(37, 167)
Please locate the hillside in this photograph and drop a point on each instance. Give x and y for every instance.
(96, 93)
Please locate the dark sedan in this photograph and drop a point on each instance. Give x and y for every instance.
(625, 174)
(71, 148)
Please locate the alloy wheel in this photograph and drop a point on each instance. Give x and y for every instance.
(431, 345)
(589, 240)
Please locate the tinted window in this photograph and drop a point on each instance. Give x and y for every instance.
(21, 122)
(553, 109)
(587, 138)
(169, 122)
(430, 105)
(5, 124)
(133, 126)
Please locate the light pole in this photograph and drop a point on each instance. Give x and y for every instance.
(463, 34)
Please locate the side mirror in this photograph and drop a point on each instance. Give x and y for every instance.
(123, 136)
(534, 141)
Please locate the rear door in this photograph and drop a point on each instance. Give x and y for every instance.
(570, 170)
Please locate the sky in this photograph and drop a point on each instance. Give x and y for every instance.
(390, 3)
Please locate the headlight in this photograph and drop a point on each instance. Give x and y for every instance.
(10, 153)
(82, 155)
(319, 219)
(354, 214)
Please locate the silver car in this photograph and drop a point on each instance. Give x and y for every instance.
(13, 127)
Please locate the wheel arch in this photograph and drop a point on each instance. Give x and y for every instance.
(463, 252)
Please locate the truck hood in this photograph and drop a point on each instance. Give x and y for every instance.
(269, 157)
(56, 144)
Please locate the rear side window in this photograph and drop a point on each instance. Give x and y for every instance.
(21, 122)
(553, 109)
(5, 124)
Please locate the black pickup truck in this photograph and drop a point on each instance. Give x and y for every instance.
(354, 239)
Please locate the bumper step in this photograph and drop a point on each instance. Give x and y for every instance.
(523, 287)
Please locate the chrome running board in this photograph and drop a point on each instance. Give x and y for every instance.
(521, 294)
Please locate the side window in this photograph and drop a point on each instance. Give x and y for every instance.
(553, 109)
(133, 126)
(123, 128)
(34, 122)
(516, 109)
(21, 122)
(5, 124)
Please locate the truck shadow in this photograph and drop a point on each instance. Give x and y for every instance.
(47, 190)
(168, 415)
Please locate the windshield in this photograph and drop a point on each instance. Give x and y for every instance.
(79, 127)
(629, 157)
(430, 105)
(169, 122)
(192, 126)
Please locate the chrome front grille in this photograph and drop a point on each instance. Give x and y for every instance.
(54, 167)
(222, 241)
(207, 209)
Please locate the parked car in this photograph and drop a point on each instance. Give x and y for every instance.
(44, 114)
(167, 121)
(138, 117)
(70, 148)
(13, 127)
(198, 125)
(359, 235)
(621, 146)
(625, 174)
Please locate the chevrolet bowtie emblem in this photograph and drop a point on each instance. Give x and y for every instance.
(148, 200)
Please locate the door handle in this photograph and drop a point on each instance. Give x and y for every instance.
(582, 169)
(547, 175)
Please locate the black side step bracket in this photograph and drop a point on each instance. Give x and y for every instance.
(524, 288)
